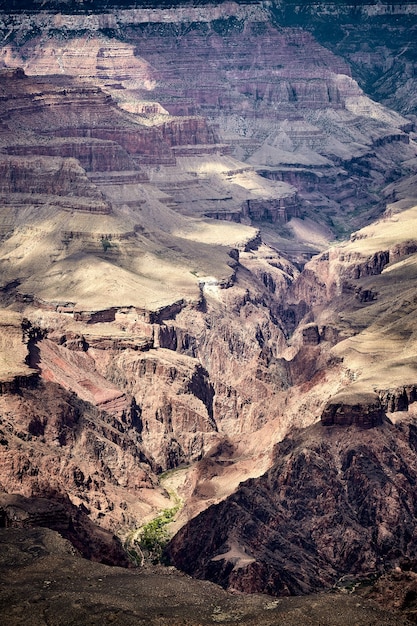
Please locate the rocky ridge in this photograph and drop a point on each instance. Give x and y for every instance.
(337, 502)
(368, 325)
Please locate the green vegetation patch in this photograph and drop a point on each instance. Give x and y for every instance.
(154, 536)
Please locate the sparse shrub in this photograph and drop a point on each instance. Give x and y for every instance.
(105, 243)
(225, 26)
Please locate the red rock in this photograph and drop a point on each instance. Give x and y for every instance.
(357, 409)
(337, 501)
(57, 513)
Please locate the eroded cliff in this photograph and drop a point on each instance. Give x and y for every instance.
(149, 321)
(337, 502)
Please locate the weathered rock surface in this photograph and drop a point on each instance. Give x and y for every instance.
(349, 409)
(53, 443)
(376, 38)
(57, 513)
(42, 580)
(374, 338)
(337, 501)
(146, 323)
(269, 103)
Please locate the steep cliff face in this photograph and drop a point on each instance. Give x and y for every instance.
(274, 98)
(52, 443)
(377, 38)
(58, 514)
(294, 539)
(336, 502)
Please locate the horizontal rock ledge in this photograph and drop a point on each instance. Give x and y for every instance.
(355, 408)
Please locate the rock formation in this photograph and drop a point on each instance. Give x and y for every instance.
(169, 298)
(268, 103)
(337, 501)
(71, 522)
(65, 588)
(383, 62)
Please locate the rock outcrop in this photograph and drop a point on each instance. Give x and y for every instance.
(338, 501)
(41, 179)
(53, 443)
(357, 409)
(57, 513)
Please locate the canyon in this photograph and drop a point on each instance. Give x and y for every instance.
(208, 252)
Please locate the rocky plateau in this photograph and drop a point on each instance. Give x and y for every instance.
(208, 255)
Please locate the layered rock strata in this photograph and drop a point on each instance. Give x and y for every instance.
(268, 103)
(147, 336)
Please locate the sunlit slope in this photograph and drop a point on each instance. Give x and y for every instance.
(381, 309)
(101, 261)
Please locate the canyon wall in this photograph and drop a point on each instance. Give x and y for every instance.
(274, 98)
(170, 299)
(337, 502)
